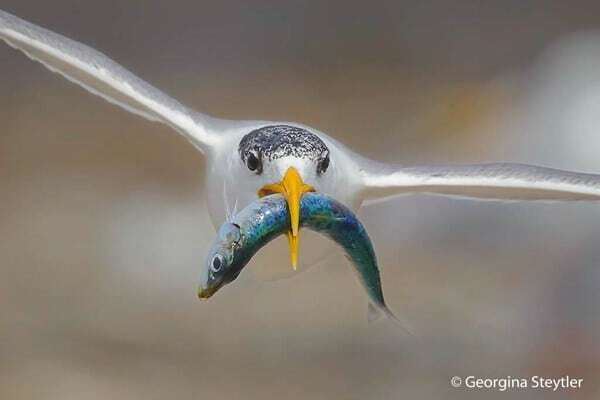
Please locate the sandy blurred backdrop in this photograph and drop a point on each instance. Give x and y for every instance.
(103, 225)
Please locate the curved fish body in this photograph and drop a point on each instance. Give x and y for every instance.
(266, 218)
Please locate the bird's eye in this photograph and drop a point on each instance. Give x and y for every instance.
(253, 162)
(323, 164)
(216, 263)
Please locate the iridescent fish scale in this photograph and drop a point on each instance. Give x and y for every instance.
(267, 218)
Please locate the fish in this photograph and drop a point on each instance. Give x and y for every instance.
(246, 232)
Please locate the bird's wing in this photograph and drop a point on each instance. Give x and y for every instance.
(100, 75)
(499, 181)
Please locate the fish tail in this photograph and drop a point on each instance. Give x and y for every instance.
(377, 312)
(374, 313)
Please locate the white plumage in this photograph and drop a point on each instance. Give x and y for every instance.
(350, 178)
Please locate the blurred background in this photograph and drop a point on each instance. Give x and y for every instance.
(103, 224)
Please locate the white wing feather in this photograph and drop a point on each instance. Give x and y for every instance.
(100, 75)
(498, 181)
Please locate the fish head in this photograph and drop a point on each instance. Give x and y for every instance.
(219, 267)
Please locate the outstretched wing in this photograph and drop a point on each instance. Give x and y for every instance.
(100, 75)
(499, 181)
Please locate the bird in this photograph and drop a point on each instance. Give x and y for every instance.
(246, 159)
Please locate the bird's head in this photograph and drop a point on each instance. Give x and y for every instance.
(289, 160)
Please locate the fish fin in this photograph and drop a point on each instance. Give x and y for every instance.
(235, 210)
(228, 214)
(375, 313)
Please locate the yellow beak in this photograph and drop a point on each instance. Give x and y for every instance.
(292, 187)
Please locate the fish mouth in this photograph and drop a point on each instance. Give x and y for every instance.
(207, 293)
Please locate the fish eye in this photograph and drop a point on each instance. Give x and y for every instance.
(254, 162)
(323, 164)
(217, 263)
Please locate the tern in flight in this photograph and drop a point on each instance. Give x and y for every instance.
(250, 158)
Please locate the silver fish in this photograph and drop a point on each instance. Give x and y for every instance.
(266, 218)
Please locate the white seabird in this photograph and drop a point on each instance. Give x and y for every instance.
(249, 157)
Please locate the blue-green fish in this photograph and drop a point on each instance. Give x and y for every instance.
(266, 218)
